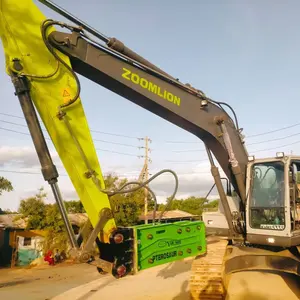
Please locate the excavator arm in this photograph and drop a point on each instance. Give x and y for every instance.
(43, 64)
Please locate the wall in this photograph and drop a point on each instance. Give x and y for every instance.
(29, 248)
(5, 250)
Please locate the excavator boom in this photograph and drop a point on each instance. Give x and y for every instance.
(165, 97)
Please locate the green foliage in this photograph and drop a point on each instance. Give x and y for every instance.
(192, 205)
(7, 212)
(212, 204)
(74, 207)
(126, 207)
(44, 216)
(56, 237)
(5, 185)
(34, 210)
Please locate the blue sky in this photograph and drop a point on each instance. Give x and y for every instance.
(245, 53)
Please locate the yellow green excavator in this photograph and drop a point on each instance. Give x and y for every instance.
(262, 225)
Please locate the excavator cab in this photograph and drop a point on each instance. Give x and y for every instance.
(272, 198)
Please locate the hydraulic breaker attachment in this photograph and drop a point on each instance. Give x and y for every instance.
(133, 249)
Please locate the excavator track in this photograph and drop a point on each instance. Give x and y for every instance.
(206, 273)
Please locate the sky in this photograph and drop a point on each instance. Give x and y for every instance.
(245, 53)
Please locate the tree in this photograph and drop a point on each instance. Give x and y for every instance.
(40, 215)
(74, 206)
(7, 212)
(34, 210)
(212, 204)
(56, 236)
(5, 185)
(126, 207)
(192, 205)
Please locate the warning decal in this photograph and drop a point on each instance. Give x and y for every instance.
(66, 93)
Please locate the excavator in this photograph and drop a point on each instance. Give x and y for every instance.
(262, 232)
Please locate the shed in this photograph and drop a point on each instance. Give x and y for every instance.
(19, 246)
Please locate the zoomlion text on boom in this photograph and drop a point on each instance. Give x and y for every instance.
(151, 87)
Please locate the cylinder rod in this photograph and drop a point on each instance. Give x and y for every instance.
(62, 209)
(110, 42)
(74, 19)
(49, 170)
(236, 169)
(216, 174)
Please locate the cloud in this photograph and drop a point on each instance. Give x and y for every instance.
(196, 183)
(188, 184)
(25, 157)
(69, 194)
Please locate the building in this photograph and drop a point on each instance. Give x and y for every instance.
(19, 246)
(169, 216)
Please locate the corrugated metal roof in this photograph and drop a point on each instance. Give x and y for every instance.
(11, 221)
(170, 214)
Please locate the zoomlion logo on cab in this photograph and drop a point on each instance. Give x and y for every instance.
(150, 86)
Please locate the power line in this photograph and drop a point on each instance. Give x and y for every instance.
(274, 148)
(97, 140)
(26, 172)
(115, 134)
(275, 130)
(251, 144)
(119, 175)
(13, 116)
(103, 150)
(121, 144)
(186, 161)
(128, 154)
(92, 130)
(172, 161)
(261, 150)
(276, 139)
(180, 142)
(15, 131)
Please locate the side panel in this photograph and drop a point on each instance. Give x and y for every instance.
(164, 243)
(20, 23)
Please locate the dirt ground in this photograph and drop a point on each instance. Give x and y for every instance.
(83, 282)
(166, 282)
(44, 283)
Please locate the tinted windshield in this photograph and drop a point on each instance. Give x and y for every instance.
(267, 196)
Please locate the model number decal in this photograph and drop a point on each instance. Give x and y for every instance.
(168, 243)
(270, 226)
(150, 86)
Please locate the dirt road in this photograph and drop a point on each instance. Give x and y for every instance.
(160, 283)
(45, 283)
(82, 282)
(167, 282)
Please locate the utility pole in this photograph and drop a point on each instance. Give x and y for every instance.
(146, 178)
(144, 175)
